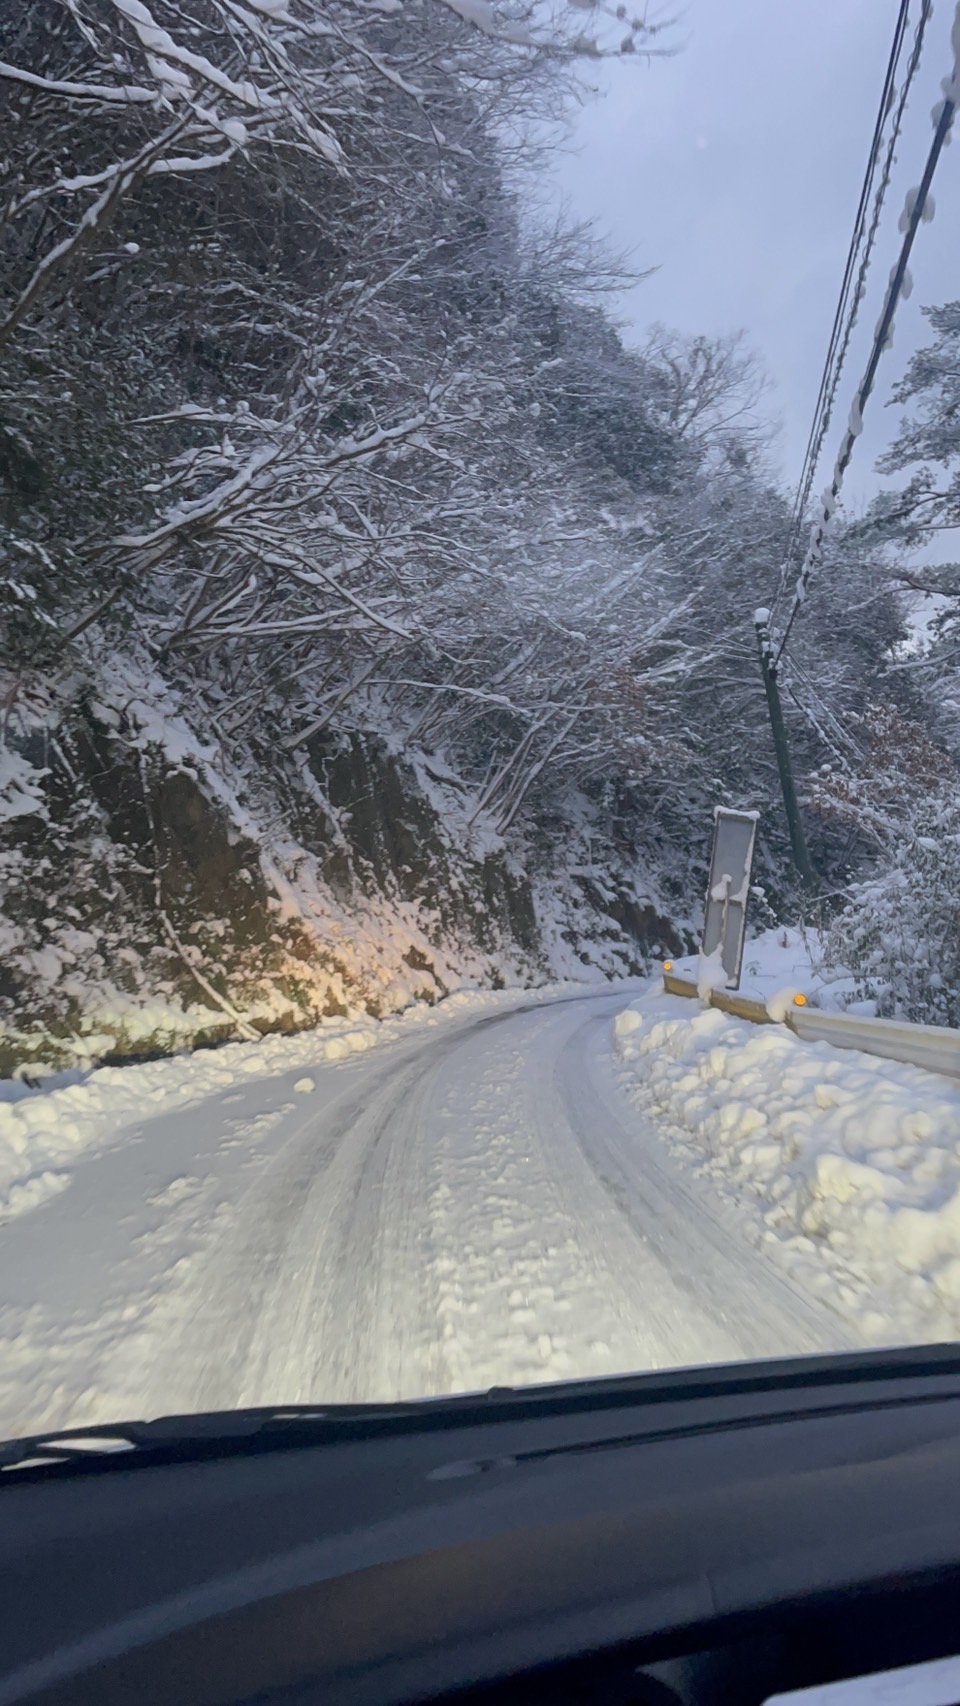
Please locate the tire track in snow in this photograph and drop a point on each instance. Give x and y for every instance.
(696, 1237)
(482, 1208)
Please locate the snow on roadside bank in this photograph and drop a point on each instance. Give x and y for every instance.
(45, 1132)
(848, 1165)
(780, 962)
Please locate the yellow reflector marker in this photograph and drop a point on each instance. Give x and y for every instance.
(668, 965)
(799, 1001)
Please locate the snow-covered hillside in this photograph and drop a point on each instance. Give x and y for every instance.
(157, 894)
(374, 617)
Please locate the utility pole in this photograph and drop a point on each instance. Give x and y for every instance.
(768, 669)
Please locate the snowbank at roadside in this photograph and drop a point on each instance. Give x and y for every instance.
(45, 1132)
(848, 1164)
(784, 961)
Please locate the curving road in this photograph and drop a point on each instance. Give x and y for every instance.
(477, 1205)
(480, 1208)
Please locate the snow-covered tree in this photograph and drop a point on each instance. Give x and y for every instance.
(900, 930)
(299, 403)
(928, 442)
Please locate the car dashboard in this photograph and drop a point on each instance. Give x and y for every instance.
(691, 1539)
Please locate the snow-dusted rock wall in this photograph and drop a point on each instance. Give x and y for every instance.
(152, 899)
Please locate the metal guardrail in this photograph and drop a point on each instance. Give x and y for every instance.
(934, 1047)
(728, 1000)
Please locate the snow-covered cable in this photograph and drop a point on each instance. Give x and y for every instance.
(918, 207)
(840, 332)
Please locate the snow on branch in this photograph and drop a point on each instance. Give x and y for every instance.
(92, 222)
(125, 95)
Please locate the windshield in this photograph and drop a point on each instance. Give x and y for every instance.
(479, 826)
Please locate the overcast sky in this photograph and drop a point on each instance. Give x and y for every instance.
(735, 167)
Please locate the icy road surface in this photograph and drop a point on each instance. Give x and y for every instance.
(472, 1204)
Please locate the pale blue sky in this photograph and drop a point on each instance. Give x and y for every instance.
(735, 168)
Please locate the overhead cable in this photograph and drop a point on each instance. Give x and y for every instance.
(843, 322)
(918, 207)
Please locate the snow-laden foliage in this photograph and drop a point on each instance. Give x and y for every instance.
(900, 931)
(900, 768)
(306, 415)
(925, 512)
(929, 437)
(309, 409)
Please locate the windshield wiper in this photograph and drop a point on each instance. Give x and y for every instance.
(219, 1433)
(224, 1433)
(173, 1436)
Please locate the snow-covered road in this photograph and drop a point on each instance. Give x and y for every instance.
(471, 1204)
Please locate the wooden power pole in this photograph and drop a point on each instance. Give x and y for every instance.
(768, 669)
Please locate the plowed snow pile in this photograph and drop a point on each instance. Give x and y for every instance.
(46, 1131)
(850, 1164)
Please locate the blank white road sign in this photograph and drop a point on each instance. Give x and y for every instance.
(725, 914)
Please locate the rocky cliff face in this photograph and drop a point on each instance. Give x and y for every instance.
(151, 900)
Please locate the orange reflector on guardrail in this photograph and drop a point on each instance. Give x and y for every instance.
(799, 1001)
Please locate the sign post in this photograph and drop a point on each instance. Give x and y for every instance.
(725, 913)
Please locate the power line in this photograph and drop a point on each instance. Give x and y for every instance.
(839, 338)
(916, 208)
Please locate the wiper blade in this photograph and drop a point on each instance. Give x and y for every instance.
(79, 1445)
(217, 1433)
(223, 1433)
